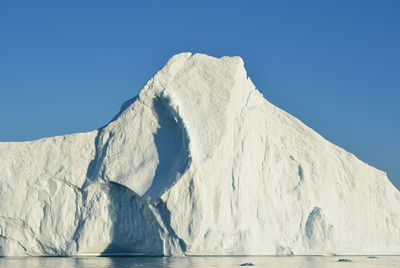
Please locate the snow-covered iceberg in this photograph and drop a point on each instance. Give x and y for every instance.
(199, 163)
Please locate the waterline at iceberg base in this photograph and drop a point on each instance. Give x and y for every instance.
(199, 163)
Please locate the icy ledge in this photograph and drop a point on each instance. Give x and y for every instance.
(199, 163)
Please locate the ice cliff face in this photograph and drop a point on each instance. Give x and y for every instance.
(198, 163)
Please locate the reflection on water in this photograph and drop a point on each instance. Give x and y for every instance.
(272, 262)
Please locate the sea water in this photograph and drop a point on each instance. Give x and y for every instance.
(257, 261)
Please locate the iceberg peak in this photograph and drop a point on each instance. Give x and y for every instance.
(200, 67)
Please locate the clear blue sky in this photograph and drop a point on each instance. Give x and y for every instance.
(67, 66)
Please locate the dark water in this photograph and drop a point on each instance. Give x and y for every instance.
(272, 262)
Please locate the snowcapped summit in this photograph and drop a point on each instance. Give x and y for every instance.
(199, 163)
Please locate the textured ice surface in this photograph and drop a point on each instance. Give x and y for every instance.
(199, 163)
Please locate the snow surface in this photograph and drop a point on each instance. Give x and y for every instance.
(199, 163)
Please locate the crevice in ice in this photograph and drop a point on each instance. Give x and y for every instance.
(135, 229)
(314, 215)
(80, 200)
(246, 103)
(300, 172)
(172, 144)
(7, 240)
(165, 216)
(94, 166)
(136, 225)
(233, 182)
(318, 232)
(125, 219)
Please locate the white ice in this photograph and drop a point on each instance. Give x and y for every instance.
(199, 163)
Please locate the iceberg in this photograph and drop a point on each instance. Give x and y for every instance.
(199, 163)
